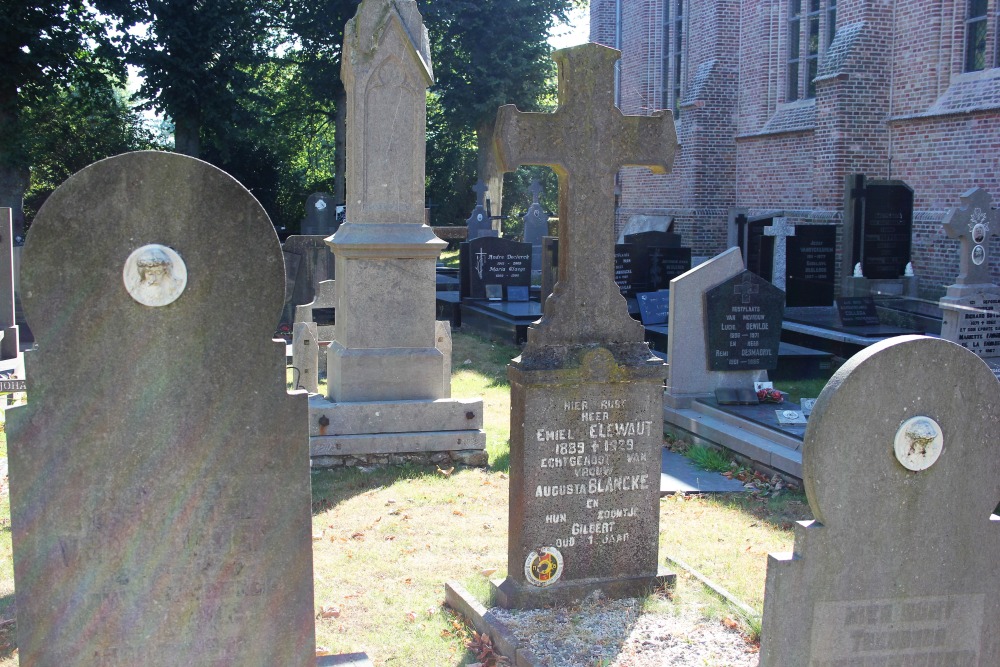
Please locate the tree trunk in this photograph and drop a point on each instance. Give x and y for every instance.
(340, 144)
(187, 135)
(487, 167)
(14, 174)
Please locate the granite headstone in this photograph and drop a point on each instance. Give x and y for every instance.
(886, 230)
(321, 215)
(586, 406)
(160, 510)
(743, 324)
(811, 264)
(498, 262)
(479, 222)
(893, 570)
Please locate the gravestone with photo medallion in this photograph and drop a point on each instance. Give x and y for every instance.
(898, 565)
(160, 510)
(971, 307)
(586, 393)
(479, 223)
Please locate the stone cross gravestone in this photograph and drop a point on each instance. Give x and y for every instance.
(479, 222)
(743, 324)
(9, 344)
(688, 348)
(894, 571)
(536, 225)
(971, 307)
(159, 479)
(780, 230)
(586, 406)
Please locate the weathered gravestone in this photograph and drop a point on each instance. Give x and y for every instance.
(321, 215)
(536, 225)
(9, 344)
(493, 266)
(901, 472)
(388, 355)
(971, 307)
(479, 222)
(160, 492)
(586, 406)
(697, 340)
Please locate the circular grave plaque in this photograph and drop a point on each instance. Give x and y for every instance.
(918, 443)
(154, 275)
(543, 567)
(978, 255)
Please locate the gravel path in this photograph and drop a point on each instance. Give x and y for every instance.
(617, 634)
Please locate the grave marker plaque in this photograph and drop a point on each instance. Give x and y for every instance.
(654, 307)
(625, 268)
(743, 324)
(887, 229)
(586, 393)
(857, 311)
(811, 263)
(164, 517)
(893, 571)
(499, 262)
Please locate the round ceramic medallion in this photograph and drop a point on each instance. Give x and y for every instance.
(918, 443)
(979, 233)
(978, 255)
(543, 567)
(154, 275)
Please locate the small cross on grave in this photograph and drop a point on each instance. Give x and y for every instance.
(973, 223)
(780, 230)
(535, 189)
(480, 189)
(585, 141)
(746, 289)
(480, 260)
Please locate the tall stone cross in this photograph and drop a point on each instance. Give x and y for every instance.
(480, 189)
(973, 223)
(585, 141)
(780, 230)
(535, 189)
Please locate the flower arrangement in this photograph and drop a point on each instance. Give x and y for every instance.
(769, 395)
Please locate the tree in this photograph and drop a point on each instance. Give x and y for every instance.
(40, 45)
(488, 53)
(196, 58)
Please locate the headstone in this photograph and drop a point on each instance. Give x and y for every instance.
(625, 256)
(321, 215)
(9, 344)
(550, 265)
(497, 262)
(305, 356)
(536, 225)
(653, 306)
(308, 261)
(892, 570)
(164, 516)
(687, 347)
(586, 406)
(658, 259)
(857, 311)
(386, 347)
(743, 324)
(811, 266)
(736, 227)
(971, 307)
(645, 223)
(780, 230)
(886, 230)
(479, 222)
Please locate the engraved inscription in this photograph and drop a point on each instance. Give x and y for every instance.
(927, 631)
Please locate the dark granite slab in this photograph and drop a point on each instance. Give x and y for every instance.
(762, 414)
(828, 318)
(678, 473)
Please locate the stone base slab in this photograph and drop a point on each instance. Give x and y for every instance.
(379, 417)
(390, 443)
(511, 595)
(385, 374)
(485, 622)
(344, 660)
(471, 458)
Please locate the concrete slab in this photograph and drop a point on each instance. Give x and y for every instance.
(678, 473)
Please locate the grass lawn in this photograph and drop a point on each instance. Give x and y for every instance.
(386, 540)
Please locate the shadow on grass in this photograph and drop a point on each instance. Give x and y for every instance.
(8, 627)
(332, 486)
(781, 510)
(502, 462)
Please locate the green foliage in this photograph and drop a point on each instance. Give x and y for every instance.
(708, 458)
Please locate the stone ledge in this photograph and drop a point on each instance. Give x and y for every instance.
(485, 622)
(472, 458)
(380, 417)
(510, 594)
(395, 443)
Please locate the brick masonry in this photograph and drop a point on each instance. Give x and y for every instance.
(891, 101)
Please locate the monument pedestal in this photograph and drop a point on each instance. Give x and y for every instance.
(584, 470)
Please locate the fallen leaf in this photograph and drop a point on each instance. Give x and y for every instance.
(730, 623)
(329, 612)
(458, 512)
(431, 611)
(411, 616)
(488, 571)
(358, 536)
(447, 472)
(318, 536)
(390, 538)
(322, 650)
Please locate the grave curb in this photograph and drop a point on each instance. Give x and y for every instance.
(504, 641)
(718, 590)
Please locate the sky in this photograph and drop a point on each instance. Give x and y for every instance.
(576, 31)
